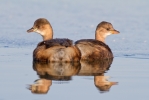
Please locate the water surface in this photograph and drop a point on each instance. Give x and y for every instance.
(75, 20)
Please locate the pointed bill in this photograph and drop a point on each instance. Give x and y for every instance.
(31, 30)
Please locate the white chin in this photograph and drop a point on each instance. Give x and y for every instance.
(40, 32)
(108, 33)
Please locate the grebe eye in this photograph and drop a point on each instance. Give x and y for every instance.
(108, 29)
(37, 26)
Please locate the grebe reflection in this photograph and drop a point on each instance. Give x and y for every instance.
(60, 72)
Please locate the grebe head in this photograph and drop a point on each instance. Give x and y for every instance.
(43, 27)
(104, 29)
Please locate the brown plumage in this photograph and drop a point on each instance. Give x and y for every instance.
(52, 50)
(95, 49)
(56, 42)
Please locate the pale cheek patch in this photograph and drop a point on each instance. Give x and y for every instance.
(108, 33)
(40, 32)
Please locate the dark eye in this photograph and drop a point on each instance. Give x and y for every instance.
(37, 26)
(108, 29)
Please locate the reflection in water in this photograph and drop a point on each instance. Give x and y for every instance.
(41, 86)
(64, 71)
(102, 83)
(95, 68)
(57, 70)
(52, 71)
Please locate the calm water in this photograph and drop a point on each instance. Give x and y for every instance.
(75, 20)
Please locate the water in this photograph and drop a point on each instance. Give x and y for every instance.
(75, 20)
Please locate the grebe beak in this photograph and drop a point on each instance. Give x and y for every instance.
(31, 30)
(114, 32)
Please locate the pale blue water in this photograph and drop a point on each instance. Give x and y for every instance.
(75, 20)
